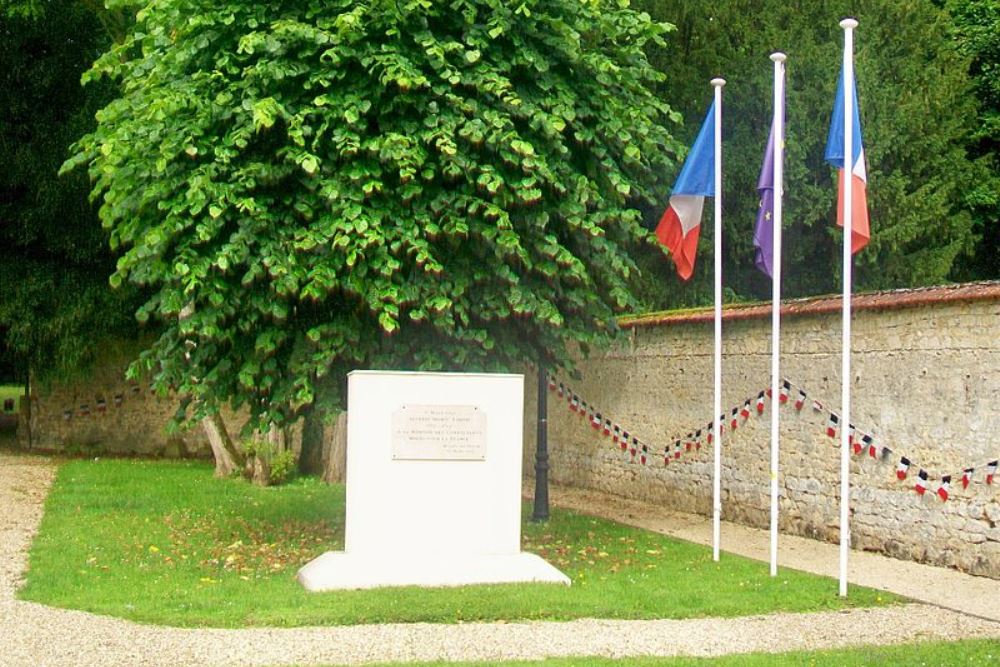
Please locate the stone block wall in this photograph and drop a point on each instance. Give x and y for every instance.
(926, 383)
(104, 414)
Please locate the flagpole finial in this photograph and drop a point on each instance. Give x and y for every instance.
(849, 24)
(778, 57)
(718, 82)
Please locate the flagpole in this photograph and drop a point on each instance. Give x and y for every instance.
(717, 404)
(845, 371)
(779, 133)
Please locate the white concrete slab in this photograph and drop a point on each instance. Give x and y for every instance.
(340, 571)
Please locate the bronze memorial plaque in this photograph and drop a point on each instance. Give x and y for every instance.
(439, 433)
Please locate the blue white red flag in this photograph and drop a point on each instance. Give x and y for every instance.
(860, 231)
(680, 225)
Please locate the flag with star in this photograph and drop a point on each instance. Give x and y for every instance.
(763, 233)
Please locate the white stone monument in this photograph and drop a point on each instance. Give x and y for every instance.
(433, 484)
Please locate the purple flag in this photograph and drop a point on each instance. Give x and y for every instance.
(763, 233)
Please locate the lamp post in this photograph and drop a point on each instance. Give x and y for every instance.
(541, 509)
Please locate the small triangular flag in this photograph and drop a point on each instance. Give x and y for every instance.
(786, 388)
(832, 424)
(944, 487)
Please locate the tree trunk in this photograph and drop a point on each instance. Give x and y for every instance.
(260, 471)
(314, 430)
(335, 452)
(227, 457)
(317, 422)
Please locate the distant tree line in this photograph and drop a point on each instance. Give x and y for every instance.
(929, 84)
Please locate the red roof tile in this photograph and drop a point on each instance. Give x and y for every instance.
(887, 300)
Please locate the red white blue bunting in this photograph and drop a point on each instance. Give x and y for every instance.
(862, 443)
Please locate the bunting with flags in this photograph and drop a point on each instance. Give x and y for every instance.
(863, 442)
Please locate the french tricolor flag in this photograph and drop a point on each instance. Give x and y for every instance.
(867, 440)
(786, 388)
(945, 487)
(860, 230)
(681, 222)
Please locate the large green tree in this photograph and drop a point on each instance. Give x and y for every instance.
(917, 111)
(312, 186)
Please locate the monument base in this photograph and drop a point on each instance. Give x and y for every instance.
(339, 570)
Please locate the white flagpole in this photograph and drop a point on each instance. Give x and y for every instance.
(717, 403)
(779, 149)
(845, 369)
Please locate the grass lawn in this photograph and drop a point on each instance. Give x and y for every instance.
(164, 542)
(971, 653)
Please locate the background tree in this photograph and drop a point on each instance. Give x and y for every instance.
(916, 113)
(977, 34)
(329, 185)
(55, 302)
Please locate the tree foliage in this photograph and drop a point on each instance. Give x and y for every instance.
(55, 302)
(916, 114)
(977, 33)
(319, 186)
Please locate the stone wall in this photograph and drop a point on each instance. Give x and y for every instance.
(104, 414)
(926, 383)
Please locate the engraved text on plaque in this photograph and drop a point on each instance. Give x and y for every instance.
(439, 432)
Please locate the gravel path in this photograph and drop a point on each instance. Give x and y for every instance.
(35, 635)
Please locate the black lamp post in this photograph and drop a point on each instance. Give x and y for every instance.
(541, 509)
